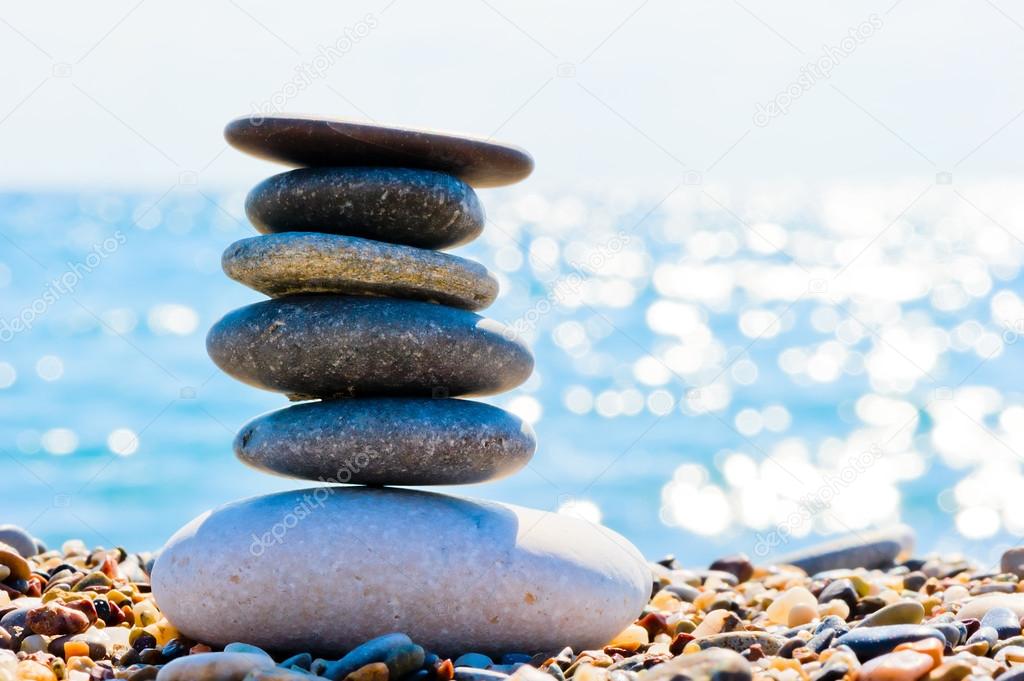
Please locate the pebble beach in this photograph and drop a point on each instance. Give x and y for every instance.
(80, 613)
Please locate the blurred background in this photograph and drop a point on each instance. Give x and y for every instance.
(769, 262)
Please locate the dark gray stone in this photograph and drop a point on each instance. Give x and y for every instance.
(869, 642)
(302, 262)
(388, 441)
(874, 549)
(399, 205)
(841, 589)
(341, 346)
(314, 141)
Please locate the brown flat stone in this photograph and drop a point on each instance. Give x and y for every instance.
(313, 141)
(301, 262)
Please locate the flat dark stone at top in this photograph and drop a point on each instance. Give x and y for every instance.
(315, 141)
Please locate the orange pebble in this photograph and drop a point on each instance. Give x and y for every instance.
(931, 647)
(75, 649)
(905, 665)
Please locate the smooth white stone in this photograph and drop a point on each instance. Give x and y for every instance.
(327, 568)
(213, 667)
(976, 607)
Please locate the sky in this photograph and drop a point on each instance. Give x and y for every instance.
(134, 94)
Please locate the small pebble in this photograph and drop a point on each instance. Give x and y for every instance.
(473, 660)
(738, 565)
(904, 612)
(54, 619)
(905, 665)
(778, 611)
(630, 638)
(1004, 621)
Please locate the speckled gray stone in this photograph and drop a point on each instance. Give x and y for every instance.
(400, 205)
(314, 141)
(343, 346)
(302, 262)
(388, 441)
(326, 568)
(213, 667)
(741, 640)
(713, 664)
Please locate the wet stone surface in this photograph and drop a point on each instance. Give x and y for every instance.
(418, 208)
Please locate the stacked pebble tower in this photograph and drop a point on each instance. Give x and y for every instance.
(372, 330)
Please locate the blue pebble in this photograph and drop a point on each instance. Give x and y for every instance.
(516, 658)
(833, 623)
(819, 642)
(870, 642)
(986, 634)
(478, 660)
(950, 631)
(1004, 621)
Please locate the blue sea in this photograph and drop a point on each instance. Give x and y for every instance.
(718, 369)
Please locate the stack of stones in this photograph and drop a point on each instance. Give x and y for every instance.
(372, 330)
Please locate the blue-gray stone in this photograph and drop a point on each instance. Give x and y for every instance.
(684, 592)
(819, 642)
(840, 589)
(951, 631)
(984, 635)
(340, 346)
(375, 650)
(1003, 620)
(399, 205)
(388, 441)
(833, 622)
(869, 642)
